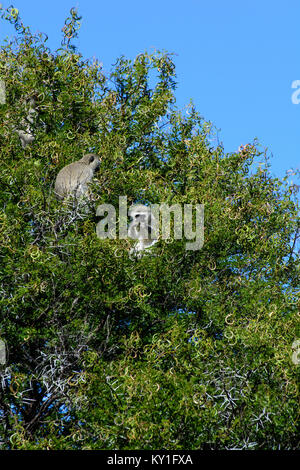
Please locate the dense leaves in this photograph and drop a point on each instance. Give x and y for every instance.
(178, 349)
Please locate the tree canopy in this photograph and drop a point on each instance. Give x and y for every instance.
(178, 349)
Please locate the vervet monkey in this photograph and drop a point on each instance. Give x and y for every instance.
(141, 228)
(3, 352)
(26, 135)
(74, 178)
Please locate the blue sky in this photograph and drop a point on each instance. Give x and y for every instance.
(235, 59)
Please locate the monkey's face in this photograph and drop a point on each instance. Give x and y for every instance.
(141, 218)
(92, 160)
(141, 224)
(95, 164)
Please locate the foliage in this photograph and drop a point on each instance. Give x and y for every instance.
(176, 350)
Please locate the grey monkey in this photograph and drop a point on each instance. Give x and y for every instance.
(74, 178)
(141, 228)
(26, 135)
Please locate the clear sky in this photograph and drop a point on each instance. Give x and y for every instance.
(236, 59)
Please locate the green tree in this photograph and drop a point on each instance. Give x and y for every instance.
(179, 349)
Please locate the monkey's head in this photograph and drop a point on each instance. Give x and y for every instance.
(139, 211)
(92, 160)
(143, 218)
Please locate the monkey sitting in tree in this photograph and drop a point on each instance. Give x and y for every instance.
(74, 178)
(141, 227)
(26, 134)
